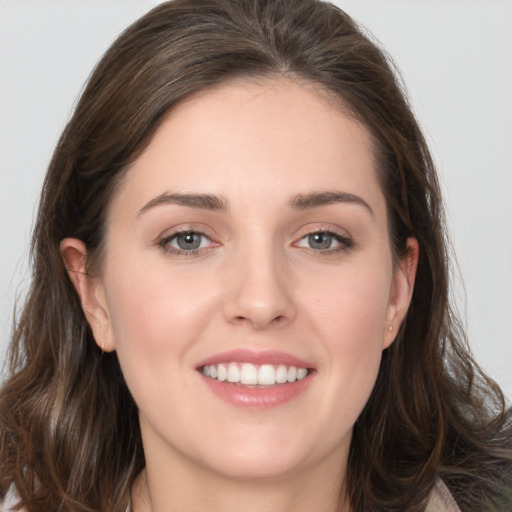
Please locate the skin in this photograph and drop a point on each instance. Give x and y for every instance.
(256, 282)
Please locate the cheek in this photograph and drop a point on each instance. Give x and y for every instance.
(354, 341)
(156, 317)
(350, 319)
(351, 309)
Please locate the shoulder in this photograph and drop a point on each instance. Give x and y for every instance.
(441, 500)
(10, 500)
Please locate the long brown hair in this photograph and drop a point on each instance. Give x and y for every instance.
(69, 431)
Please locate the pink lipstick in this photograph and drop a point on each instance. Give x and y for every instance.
(256, 379)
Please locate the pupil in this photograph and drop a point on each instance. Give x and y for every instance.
(188, 241)
(320, 240)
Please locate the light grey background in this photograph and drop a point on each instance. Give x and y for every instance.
(455, 57)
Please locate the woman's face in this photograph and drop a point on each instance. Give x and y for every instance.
(250, 241)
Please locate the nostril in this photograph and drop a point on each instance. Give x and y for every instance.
(278, 319)
(274, 321)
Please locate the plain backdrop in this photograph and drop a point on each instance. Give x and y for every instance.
(454, 56)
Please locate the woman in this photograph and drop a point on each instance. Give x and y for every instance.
(240, 286)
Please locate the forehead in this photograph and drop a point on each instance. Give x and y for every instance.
(252, 139)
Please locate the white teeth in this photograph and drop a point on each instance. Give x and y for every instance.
(233, 373)
(266, 375)
(250, 375)
(301, 373)
(281, 374)
(222, 372)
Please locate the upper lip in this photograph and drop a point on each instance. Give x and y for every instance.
(256, 357)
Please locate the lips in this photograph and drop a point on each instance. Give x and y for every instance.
(256, 379)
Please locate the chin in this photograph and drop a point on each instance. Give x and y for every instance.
(264, 455)
(262, 466)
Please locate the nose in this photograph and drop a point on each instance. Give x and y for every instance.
(260, 291)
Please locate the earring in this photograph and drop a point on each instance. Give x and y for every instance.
(390, 328)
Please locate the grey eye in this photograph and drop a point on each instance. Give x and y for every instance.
(188, 241)
(320, 240)
(325, 241)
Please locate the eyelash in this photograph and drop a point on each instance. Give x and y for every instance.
(165, 242)
(345, 243)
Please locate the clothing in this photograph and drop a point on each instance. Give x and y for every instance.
(440, 500)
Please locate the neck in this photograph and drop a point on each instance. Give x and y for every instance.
(196, 489)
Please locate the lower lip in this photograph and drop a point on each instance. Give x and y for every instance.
(258, 398)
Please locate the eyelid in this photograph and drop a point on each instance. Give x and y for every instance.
(164, 240)
(343, 238)
(186, 227)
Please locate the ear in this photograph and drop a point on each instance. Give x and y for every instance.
(402, 287)
(90, 291)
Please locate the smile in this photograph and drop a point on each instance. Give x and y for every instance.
(249, 374)
(256, 379)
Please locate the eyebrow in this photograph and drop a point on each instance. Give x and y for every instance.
(218, 203)
(316, 199)
(201, 201)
